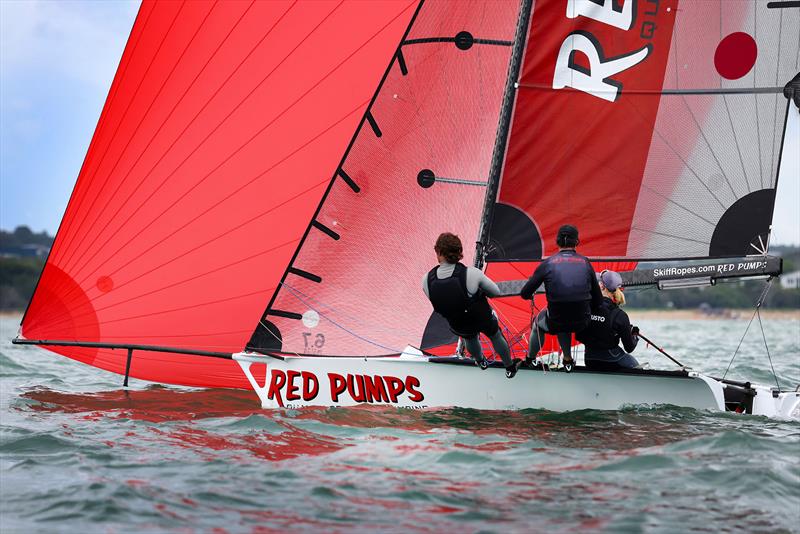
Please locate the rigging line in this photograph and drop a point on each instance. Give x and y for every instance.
(122, 120)
(352, 318)
(739, 345)
(134, 133)
(708, 144)
(169, 286)
(175, 106)
(210, 134)
(736, 142)
(119, 77)
(759, 302)
(267, 126)
(341, 327)
(766, 347)
(261, 322)
(669, 235)
(685, 163)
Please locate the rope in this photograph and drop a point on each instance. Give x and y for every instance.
(764, 336)
(759, 302)
(297, 294)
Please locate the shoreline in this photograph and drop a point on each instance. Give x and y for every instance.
(695, 314)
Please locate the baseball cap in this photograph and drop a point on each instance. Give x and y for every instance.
(569, 231)
(611, 280)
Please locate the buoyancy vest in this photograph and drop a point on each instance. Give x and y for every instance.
(451, 299)
(600, 334)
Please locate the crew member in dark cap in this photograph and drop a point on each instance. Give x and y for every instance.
(610, 325)
(572, 291)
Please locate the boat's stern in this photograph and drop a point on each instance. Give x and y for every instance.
(756, 399)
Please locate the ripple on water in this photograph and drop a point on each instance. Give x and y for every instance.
(79, 453)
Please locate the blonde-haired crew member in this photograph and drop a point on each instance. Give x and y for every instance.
(608, 326)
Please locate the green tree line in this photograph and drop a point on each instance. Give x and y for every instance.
(18, 277)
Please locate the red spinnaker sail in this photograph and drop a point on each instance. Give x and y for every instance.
(653, 126)
(221, 131)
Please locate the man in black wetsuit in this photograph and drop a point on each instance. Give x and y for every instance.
(572, 291)
(610, 325)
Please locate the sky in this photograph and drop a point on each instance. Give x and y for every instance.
(57, 61)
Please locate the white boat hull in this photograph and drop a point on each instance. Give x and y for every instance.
(418, 382)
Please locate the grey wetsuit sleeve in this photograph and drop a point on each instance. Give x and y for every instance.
(425, 285)
(477, 279)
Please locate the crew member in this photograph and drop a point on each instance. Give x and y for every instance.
(608, 326)
(572, 291)
(459, 294)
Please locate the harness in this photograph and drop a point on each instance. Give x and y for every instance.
(464, 313)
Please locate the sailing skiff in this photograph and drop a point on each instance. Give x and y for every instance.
(260, 197)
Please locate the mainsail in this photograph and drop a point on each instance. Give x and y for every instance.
(654, 126)
(272, 175)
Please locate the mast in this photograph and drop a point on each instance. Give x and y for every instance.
(498, 155)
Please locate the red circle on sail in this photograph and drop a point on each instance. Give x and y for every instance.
(735, 55)
(105, 284)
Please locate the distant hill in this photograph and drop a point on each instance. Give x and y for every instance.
(22, 256)
(22, 236)
(23, 253)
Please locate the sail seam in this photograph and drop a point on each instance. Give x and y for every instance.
(167, 118)
(142, 118)
(212, 132)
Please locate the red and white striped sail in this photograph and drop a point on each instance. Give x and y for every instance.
(654, 126)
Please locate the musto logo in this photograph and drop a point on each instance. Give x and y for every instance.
(291, 386)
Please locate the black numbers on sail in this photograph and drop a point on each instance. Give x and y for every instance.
(313, 345)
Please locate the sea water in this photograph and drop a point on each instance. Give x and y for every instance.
(80, 454)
